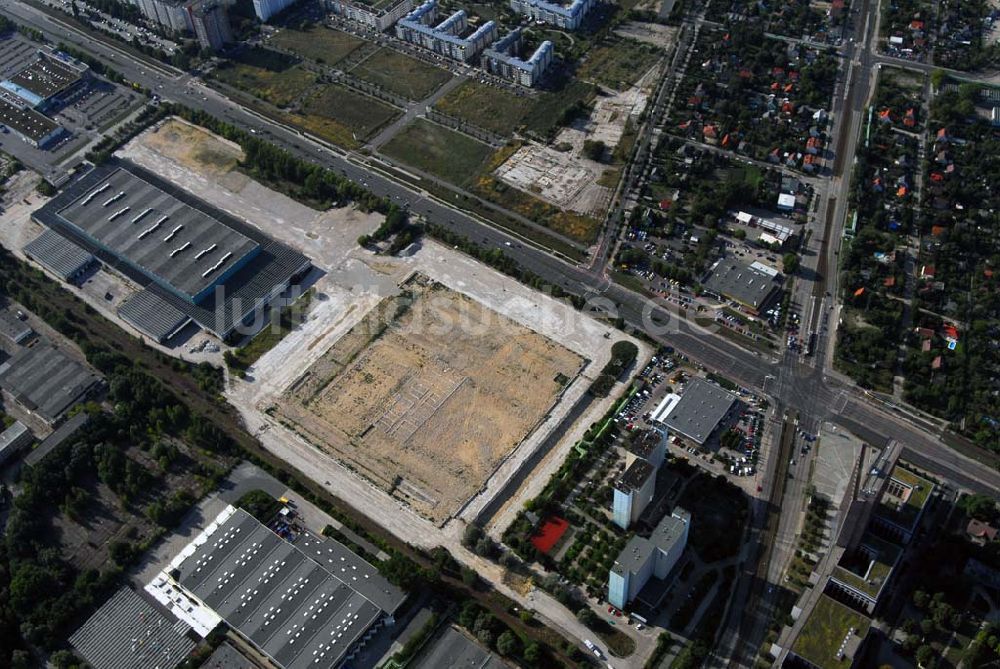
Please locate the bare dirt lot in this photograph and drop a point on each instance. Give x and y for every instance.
(427, 394)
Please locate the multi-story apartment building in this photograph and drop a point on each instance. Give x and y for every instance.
(210, 21)
(445, 39)
(381, 15)
(502, 60)
(642, 558)
(568, 17)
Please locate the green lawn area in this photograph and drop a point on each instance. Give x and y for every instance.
(488, 107)
(450, 155)
(906, 514)
(339, 114)
(618, 63)
(825, 630)
(503, 113)
(317, 43)
(401, 74)
(269, 75)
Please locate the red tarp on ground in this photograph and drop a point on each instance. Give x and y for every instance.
(549, 533)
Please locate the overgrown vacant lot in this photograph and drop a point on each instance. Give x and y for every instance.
(454, 157)
(401, 74)
(427, 394)
(342, 116)
(269, 75)
(497, 110)
(318, 43)
(618, 63)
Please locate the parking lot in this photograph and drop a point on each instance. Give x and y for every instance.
(97, 106)
(739, 457)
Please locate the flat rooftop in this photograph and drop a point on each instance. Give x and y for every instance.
(739, 281)
(635, 476)
(903, 510)
(171, 240)
(294, 609)
(13, 328)
(700, 410)
(353, 570)
(128, 632)
(868, 568)
(25, 120)
(831, 635)
(46, 76)
(46, 381)
(644, 443)
(454, 650)
(639, 550)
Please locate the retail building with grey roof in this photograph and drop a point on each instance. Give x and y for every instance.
(702, 408)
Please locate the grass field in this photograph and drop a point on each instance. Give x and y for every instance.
(618, 64)
(402, 75)
(454, 157)
(335, 112)
(488, 107)
(497, 110)
(269, 75)
(317, 43)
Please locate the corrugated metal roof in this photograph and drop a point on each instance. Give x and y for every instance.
(129, 633)
(151, 314)
(59, 255)
(65, 431)
(292, 608)
(46, 381)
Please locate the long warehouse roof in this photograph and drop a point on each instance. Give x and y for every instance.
(170, 239)
(295, 610)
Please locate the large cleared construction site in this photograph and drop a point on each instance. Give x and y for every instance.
(427, 394)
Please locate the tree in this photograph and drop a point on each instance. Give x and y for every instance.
(532, 653)
(586, 616)
(925, 656)
(471, 535)
(980, 507)
(485, 637)
(594, 149)
(790, 262)
(920, 599)
(508, 644)
(469, 576)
